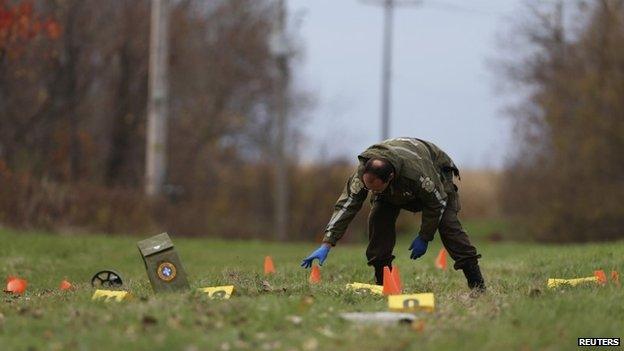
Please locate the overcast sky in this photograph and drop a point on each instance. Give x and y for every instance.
(443, 89)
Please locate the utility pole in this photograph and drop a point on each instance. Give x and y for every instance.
(386, 69)
(281, 51)
(157, 109)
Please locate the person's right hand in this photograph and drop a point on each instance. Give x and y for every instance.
(320, 254)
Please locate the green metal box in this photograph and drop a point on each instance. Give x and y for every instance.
(163, 265)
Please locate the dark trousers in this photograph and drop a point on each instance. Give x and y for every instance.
(382, 233)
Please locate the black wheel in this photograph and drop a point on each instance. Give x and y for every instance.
(106, 279)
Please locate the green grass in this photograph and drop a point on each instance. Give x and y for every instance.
(517, 313)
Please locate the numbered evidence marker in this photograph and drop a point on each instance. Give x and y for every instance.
(366, 288)
(553, 283)
(411, 303)
(111, 295)
(219, 292)
(163, 265)
(599, 277)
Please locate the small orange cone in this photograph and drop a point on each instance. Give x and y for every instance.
(615, 277)
(418, 326)
(440, 261)
(315, 275)
(396, 275)
(65, 285)
(389, 285)
(16, 285)
(268, 265)
(601, 276)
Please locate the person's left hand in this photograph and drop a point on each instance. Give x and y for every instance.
(418, 247)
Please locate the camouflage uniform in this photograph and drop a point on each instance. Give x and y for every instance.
(423, 182)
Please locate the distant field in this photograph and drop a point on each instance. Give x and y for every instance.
(479, 193)
(285, 313)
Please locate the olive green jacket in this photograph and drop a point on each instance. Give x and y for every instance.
(423, 175)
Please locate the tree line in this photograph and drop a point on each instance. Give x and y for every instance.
(73, 89)
(565, 180)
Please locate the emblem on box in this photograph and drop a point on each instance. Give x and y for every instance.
(167, 271)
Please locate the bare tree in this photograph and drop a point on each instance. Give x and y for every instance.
(568, 128)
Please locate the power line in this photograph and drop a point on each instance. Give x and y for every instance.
(386, 80)
(386, 70)
(452, 7)
(281, 51)
(156, 148)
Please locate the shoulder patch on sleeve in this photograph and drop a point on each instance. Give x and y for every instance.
(356, 185)
(427, 184)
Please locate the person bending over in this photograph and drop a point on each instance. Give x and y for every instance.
(403, 174)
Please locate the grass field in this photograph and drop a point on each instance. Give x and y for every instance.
(284, 312)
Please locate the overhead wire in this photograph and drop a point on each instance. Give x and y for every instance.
(453, 7)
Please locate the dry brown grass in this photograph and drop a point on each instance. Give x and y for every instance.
(240, 209)
(480, 193)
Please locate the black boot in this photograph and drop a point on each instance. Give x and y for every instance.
(474, 278)
(379, 273)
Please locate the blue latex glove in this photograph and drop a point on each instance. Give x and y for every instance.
(418, 247)
(320, 254)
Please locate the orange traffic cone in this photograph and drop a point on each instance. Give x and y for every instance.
(315, 275)
(440, 261)
(418, 326)
(396, 275)
(268, 265)
(16, 285)
(615, 277)
(389, 285)
(65, 285)
(601, 277)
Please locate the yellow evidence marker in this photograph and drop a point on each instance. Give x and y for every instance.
(553, 283)
(219, 292)
(411, 303)
(111, 295)
(366, 288)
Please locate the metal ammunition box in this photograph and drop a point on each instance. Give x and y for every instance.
(163, 265)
